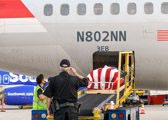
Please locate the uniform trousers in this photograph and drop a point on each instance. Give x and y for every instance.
(66, 113)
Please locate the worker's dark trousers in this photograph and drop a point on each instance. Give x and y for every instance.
(66, 113)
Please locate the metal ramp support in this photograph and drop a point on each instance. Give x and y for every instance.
(129, 83)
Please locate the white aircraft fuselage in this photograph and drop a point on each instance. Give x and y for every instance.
(37, 43)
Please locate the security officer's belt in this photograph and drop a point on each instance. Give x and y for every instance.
(67, 104)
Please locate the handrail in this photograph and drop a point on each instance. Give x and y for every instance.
(118, 84)
(128, 86)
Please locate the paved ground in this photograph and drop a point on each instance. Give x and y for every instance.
(154, 112)
(14, 113)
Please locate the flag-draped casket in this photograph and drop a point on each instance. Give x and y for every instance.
(105, 78)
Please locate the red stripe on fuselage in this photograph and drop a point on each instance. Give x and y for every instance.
(14, 9)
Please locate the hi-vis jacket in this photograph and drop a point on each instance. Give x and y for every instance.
(38, 104)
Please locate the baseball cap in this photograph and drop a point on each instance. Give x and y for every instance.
(65, 63)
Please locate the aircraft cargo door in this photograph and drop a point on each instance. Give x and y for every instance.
(110, 58)
(100, 59)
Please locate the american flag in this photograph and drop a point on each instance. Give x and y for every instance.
(104, 78)
(162, 35)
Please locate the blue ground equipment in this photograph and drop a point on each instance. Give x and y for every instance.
(128, 113)
(39, 114)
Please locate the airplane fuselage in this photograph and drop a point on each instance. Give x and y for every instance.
(40, 46)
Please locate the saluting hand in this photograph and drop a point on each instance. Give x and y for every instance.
(74, 71)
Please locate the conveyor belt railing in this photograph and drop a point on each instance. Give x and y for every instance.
(129, 83)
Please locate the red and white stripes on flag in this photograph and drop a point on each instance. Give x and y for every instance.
(162, 35)
(104, 78)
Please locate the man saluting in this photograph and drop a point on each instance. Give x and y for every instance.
(63, 88)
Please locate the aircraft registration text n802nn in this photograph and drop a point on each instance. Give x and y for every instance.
(104, 36)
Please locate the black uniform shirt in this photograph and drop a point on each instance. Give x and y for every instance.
(69, 94)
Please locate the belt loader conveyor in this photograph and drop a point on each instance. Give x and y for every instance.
(93, 105)
(94, 101)
(91, 101)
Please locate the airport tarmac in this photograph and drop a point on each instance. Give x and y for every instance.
(152, 112)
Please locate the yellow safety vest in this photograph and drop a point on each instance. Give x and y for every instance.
(38, 104)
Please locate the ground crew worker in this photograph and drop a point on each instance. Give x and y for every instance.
(63, 88)
(39, 99)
